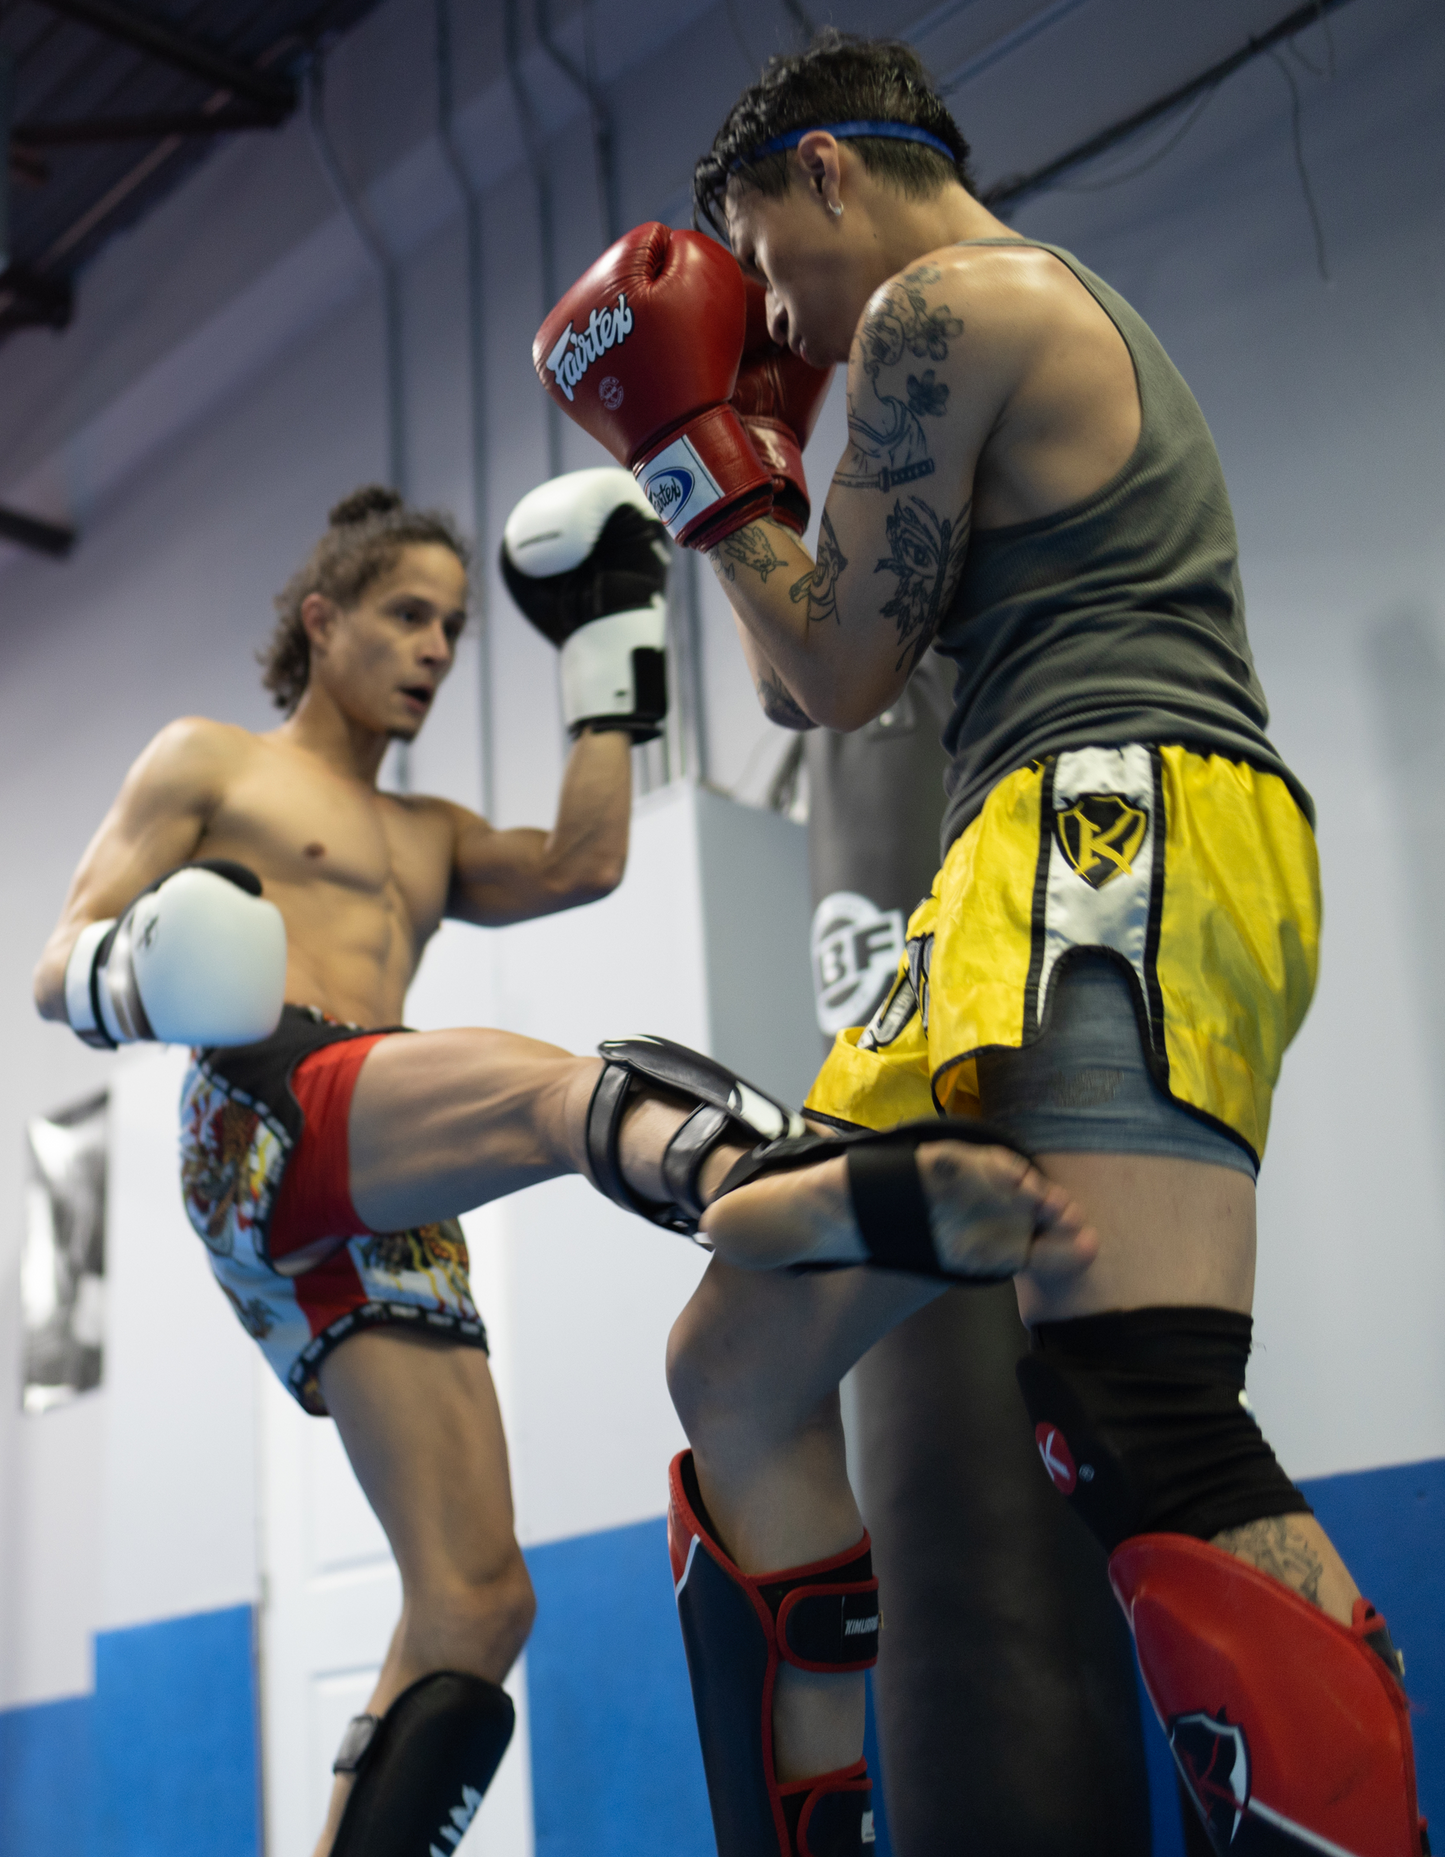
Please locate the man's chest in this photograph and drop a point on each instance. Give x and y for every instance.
(338, 834)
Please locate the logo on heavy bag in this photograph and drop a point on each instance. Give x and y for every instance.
(856, 949)
(1213, 1757)
(1100, 835)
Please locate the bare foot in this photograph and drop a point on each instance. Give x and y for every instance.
(992, 1215)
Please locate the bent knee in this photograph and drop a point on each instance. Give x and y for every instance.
(697, 1376)
(728, 1378)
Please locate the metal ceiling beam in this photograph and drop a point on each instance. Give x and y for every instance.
(27, 167)
(1016, 187)
(155, 39)
(140, 128)
(46, 538)
(28, 301)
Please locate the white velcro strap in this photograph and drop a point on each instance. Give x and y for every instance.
(555, 527)
(596, 661)
(679, 486)
(79, 1004)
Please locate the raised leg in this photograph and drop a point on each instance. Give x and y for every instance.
(420, 1424)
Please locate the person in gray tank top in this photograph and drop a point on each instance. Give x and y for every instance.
(1119, 945)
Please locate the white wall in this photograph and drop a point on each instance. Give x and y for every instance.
(221, 387)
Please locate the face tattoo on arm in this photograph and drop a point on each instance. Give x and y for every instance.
(927, 552)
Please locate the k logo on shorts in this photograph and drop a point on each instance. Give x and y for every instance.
(1100, 835)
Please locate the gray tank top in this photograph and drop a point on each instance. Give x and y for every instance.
(1118, 619)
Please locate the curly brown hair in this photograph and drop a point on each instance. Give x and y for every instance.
(365, 536)
(840, 78)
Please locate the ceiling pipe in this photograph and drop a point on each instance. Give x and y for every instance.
(46, 538)
(583, 80)
(542, 186)
(476, 363)
(1015, 187)
(155, 39)
(381, 263)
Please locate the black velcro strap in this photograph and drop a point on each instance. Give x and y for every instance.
(604, 1122)
(649, 683)
(360, 1733)
(835, 1627)
(889, 1205)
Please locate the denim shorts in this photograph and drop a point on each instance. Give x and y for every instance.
(1083, 1084)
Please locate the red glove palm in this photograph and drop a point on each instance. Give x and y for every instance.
(778, 398)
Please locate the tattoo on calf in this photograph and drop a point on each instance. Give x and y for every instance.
(1280, 1550)
(823, 582)
(926, 554)
(779, 705)
(746, 547)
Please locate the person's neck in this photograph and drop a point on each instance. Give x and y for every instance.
(321, 727)
(911, 228)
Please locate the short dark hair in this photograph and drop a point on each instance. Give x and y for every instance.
(365, 536)
(840, 78)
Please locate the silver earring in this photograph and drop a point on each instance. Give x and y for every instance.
(836, 211)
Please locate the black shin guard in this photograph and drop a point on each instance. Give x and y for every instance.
(422, 1768)
(1141, 1422)
(737, 1628)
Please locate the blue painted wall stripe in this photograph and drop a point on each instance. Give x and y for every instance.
(46, 1777)
(163, 1760)
(175, 1738)
(616, 1770)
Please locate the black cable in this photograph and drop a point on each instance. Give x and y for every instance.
(800, 18)
(1117, 180)
(1018, 186)
(1299, 161)
(750, 59)
(1327, 69)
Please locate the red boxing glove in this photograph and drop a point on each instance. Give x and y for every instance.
(643, 353)
(778, 398)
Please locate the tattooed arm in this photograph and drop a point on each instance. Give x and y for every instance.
(834, 640)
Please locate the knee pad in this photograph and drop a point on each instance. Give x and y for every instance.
(1141, 1422)
(1291, 1732)
(422, 1768)
(736, 1629)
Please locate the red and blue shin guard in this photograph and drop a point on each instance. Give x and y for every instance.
(1291, 1732)
(737, 1628)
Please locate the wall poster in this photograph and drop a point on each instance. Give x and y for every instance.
(62, 1272)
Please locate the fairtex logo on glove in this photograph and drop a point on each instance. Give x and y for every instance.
(575, 353)
(678, 485)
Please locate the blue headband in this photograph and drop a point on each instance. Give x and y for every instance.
(896, 132)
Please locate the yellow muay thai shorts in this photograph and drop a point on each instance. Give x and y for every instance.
(1190, 882)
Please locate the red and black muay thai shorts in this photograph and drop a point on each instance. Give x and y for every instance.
(265, 1175)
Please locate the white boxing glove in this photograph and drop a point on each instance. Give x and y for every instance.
(585, 558)
(197, 959)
